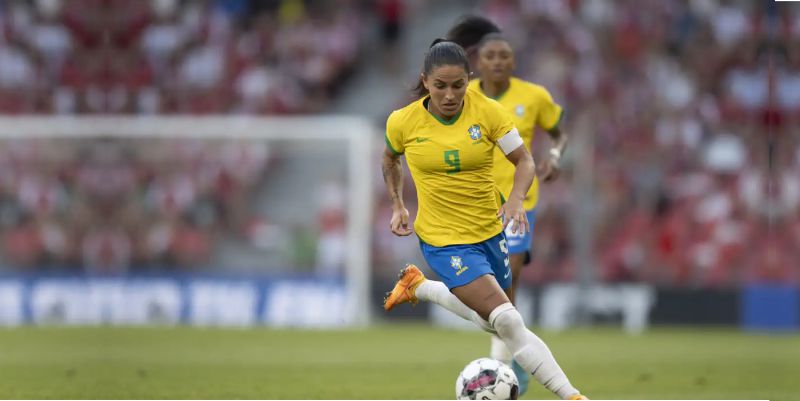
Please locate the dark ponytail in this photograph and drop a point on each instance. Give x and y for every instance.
(441, 52)
(470, 30)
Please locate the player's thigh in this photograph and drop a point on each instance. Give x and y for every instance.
(482, 295)
(517, 261)
(457, 265)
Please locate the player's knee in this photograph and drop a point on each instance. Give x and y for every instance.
(506, 320)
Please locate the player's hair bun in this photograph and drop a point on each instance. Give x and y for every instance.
(438, 40)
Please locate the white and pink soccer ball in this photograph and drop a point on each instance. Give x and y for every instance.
(487, 379)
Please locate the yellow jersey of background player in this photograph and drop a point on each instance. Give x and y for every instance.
(531, 106)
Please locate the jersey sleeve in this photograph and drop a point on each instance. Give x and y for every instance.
(502, 121)
(550, 111)
(394, 134)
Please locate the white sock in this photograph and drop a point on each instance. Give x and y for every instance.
(499, 350)
(530, 351)
(438, 293)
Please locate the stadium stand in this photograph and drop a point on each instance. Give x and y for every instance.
(696, 171)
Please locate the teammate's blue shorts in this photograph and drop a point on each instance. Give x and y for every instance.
(521, 242)
(459, 265)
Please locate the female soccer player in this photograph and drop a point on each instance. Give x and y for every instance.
(448, 137)
(530, 105)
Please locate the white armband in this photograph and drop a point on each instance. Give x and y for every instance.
(510, 141)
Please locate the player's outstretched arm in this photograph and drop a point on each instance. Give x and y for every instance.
(525, 170)
(393, 177)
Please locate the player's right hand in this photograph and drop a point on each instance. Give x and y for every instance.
(513, 213)
(399, 223)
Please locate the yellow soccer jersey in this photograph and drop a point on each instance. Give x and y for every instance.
(451, 163)
(530, 106)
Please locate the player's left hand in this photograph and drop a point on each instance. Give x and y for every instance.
(549, 170)
(514, 213)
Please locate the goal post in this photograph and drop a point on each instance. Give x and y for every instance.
(316, 133)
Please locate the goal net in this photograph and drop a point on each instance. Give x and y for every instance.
(196, 220)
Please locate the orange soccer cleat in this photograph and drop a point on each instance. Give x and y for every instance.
(409, 279)
(578, 397)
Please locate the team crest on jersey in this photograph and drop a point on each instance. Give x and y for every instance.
(520, 110)
(455, 263)
(475, 132)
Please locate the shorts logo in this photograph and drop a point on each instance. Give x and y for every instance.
(455, 263)
(504, 249)
(475, 132)
(520, 110)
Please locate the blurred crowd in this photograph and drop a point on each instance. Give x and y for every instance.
(688, 114)
(173, 56)
(693, 109)
(105, 206)
(683, 116)
(110, 206)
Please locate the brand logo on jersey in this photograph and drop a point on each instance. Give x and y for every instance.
(455, 263)
(475, 132)
(520, 110)
(420, 140)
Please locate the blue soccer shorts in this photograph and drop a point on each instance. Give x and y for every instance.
(459, 265)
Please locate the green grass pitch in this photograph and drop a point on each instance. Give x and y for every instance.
(384, 362)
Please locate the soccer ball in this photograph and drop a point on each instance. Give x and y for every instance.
(487, 379)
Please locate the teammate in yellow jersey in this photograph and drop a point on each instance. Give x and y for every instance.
(531, 106)
(449, 137)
